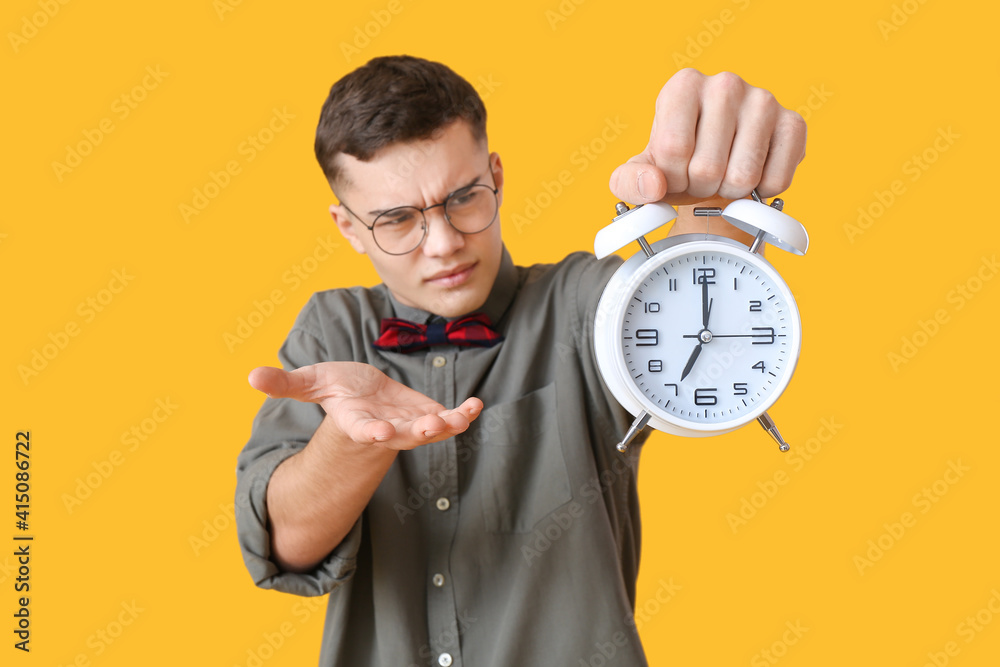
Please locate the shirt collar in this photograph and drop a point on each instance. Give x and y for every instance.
(500, 298)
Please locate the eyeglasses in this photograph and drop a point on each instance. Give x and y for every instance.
(402, 230)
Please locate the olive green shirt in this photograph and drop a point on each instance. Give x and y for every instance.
(514, 543)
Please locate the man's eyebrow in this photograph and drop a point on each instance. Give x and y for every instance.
(377, 212)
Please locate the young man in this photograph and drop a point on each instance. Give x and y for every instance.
(503, 531)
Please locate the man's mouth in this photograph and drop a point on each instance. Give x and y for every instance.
(452, 277)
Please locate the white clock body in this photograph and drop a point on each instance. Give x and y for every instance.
(652, 316)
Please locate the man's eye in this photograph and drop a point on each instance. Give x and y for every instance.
(464, 198)
(397, 218)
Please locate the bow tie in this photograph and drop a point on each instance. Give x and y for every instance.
(399, 335)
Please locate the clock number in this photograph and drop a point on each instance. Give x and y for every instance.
(652, 306)
(703, 276)
(759, 366)
(655, 365)
(651, 336)
(703, 397)
(755, 306)
(674, 386)
(740, 389)
(672, 284)
(734, 283)
(769, 334)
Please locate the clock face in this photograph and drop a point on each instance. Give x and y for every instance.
(709, 336)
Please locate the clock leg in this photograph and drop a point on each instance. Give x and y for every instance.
(640, 422)
(769, 426)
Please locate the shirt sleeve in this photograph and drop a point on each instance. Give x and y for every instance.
(282, 428)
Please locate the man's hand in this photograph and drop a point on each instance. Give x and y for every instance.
(713, 136)
(366, 405)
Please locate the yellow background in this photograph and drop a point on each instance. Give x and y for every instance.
(152, 542)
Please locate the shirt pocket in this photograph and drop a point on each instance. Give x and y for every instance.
(521, 470)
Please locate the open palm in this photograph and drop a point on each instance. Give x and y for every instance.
(366, 405)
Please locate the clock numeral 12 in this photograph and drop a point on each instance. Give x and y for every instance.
(700, 276)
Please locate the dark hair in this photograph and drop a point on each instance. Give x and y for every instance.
(388, 100)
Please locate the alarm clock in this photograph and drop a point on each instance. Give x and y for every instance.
(697, 335)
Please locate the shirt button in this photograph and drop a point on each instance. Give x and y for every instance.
(443, 504)
(438, 362)
(438, 580)
(444, 659)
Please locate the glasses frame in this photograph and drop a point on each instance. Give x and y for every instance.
(423, 215)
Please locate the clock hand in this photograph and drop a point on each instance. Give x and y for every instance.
(690, 363)
(706, 306)
(715, 335)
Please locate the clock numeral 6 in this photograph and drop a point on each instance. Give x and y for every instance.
(703, 397)
(654, 365)
(647, 337)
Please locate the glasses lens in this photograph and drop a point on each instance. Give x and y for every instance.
(400, 230)
(472, 209)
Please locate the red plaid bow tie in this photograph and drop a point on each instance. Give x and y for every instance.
(403, 336)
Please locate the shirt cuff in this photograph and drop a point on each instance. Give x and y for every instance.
(255, 539)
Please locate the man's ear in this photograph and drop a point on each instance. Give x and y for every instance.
(347, 227)
(497, 168)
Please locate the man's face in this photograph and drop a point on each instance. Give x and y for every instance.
(451, 273)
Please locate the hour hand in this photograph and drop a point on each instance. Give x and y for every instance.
(690, 363)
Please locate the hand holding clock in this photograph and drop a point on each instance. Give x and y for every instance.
(713, 135)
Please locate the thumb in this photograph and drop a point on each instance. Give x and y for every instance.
(638, 181)
(274, 382)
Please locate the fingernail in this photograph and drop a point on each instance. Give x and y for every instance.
(638, 184)
(431, 434)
